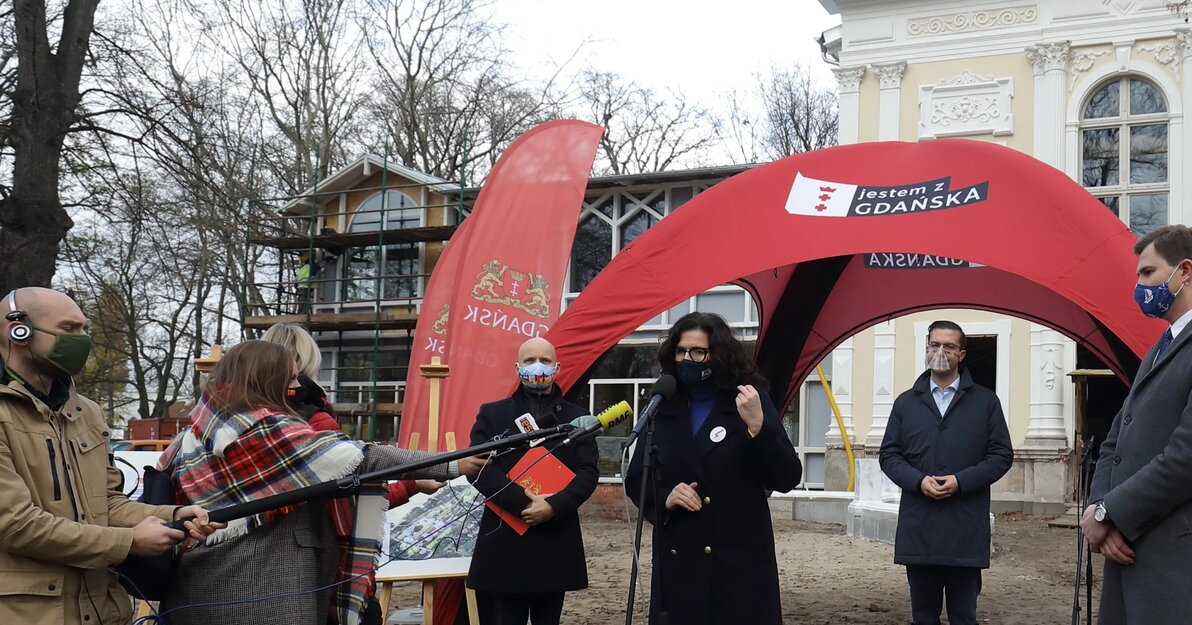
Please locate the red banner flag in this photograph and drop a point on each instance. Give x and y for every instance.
(499, 280)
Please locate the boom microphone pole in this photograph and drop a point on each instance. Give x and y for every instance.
(348, 485)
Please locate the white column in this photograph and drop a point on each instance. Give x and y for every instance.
(842, 391)
(883, 382)
(889, 99)
(1180, 210)
(1050, 61)
(1046, 427)
(848, 79)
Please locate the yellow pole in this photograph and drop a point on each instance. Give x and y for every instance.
(848, 446)
(435, 372)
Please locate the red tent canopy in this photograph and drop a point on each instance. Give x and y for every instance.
(833, 241)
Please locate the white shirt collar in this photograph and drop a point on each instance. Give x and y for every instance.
(954, 386)
(1180, 324)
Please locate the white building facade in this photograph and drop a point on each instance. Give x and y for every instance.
(1094, 88)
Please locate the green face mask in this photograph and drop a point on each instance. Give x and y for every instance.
(69, 353)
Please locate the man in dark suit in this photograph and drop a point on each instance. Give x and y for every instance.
(524, 576)
(945, 444)
(1140, 515)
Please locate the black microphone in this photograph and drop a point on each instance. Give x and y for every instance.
(663, 389)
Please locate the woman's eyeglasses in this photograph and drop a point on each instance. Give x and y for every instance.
(697, 354)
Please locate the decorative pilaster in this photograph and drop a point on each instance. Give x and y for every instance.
(842, 391)
(890, 77)
(883, 382)
(1180, 210)
(1046, 427)
(848, 81)
(1050, 61)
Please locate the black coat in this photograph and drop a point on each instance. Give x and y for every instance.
(715, 566)
(971, 442)
(548, 557)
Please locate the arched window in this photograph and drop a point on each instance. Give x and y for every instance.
(1124, 145)
(400, 262)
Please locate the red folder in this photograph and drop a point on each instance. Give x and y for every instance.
(539, 472)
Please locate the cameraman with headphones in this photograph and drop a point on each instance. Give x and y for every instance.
(64, 521)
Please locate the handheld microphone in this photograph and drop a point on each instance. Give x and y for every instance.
(663, 389)
(588, 425)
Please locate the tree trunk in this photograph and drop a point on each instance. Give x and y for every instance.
(32, 220)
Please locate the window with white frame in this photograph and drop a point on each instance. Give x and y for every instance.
(1124, 151)
(626, 372)
(400, 263)
(806, 423)
(613, 219)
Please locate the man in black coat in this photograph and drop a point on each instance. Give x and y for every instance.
(946, 443)
(524, 576)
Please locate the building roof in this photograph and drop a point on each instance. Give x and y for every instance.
(358, 171)
(631, 180)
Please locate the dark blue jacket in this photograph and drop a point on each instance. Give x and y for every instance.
(716, 565)
(971, 442)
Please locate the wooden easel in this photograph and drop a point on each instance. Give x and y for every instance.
(435, 372)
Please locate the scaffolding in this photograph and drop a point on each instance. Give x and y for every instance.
(356, 289)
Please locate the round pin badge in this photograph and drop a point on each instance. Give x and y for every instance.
(717, 434)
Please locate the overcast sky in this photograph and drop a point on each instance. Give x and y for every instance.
(702, 47)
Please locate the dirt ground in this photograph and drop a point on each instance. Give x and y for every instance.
(828, 578)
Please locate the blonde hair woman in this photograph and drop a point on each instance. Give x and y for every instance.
(298, 340)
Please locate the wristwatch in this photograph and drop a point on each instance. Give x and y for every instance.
(1100, 514)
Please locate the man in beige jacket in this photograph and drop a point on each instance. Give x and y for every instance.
(64, 521)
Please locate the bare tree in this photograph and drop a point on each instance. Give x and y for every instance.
(799, 116)
(742, 132)
(134, 258)
(644, 131)
(444, 93)
(301, 61)
(44, 102)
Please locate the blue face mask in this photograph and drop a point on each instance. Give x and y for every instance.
(537, 376)
(1155, 301)
(693, 375)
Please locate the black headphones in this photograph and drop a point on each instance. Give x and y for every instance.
(20, 332)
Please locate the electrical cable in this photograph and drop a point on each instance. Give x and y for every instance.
(159, 618)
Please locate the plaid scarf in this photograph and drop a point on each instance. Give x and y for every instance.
(224, 459)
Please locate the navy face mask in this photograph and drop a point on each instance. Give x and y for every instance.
(692, 374)
(1155, 301)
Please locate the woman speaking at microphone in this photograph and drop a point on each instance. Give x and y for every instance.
(720, 447)
(289, 566)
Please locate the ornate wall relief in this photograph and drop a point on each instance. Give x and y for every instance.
(1082, 62)
(966, 105)
(971, 20)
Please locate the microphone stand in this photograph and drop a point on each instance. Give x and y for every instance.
(649, 457)
(348, 485)
(1081, 546)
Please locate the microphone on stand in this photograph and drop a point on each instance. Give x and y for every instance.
(663, 389)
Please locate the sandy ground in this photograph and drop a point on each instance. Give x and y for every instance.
(828, 578)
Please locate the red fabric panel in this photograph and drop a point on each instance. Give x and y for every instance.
(504, 279)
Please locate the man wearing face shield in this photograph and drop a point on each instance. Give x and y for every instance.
(524, 576)
(1140, 511)
(946, 443)
(65, 521)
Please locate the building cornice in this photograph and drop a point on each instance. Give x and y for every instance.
(1013, 40)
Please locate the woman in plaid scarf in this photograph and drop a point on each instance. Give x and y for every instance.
(290, 565)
